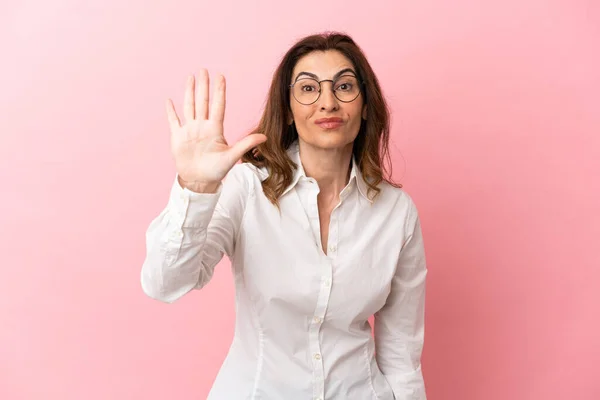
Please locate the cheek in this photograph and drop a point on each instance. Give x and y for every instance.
(300, 113)
(355, 114)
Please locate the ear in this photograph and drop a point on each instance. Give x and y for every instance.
(364, 112)
(290, 119)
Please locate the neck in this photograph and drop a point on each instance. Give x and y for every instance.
(329, 167)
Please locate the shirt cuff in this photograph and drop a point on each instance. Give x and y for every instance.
(408, 386)
(190, 209)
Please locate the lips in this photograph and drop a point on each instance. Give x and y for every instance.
(329, 123)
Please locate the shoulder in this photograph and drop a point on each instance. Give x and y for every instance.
(398, 201)
(246, 174)
(249, 170)
(397, 196)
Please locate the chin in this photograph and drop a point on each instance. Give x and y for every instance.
(329, 140)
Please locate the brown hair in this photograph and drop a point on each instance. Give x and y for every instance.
(371, 144)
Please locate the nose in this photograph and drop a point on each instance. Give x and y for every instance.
(327, 100)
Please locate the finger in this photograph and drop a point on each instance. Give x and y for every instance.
(172, 115)
(245, 144)
(188, 100)
(217, 111)
(202, 95)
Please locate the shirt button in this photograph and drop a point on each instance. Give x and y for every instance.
(317, 320)
(332, 248)
(327, 283)
(317, 356)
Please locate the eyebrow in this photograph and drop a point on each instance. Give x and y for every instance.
(311, 75)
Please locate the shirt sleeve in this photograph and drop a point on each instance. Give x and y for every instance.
(399, 325)
(189, 237)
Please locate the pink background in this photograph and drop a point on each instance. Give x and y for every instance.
(496, 126)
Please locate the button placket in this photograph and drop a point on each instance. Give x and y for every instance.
(333, 234)
(315, 326)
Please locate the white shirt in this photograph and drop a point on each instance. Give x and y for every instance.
(302, 329)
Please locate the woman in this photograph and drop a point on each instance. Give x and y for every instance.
(318, 239)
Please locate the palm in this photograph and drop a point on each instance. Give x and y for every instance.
(200, 150)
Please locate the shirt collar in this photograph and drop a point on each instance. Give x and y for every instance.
(355, 174)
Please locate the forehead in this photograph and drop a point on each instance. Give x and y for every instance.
(324, 64)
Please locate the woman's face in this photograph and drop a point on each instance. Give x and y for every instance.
(329, 122)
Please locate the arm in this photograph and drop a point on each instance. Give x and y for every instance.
(191, 235)
(399, 325)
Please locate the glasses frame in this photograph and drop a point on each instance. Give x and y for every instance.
(360, 89)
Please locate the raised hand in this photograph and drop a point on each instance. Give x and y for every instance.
(202, 155)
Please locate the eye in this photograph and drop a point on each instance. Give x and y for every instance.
(346, 84)
(307, 87)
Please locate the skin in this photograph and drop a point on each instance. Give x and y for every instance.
(203, 156)
(326, 153)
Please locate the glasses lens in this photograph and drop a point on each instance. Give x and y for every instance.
(346, 88)
(306, 90)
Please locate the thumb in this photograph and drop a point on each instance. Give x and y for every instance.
(245, 144)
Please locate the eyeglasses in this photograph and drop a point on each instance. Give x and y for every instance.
(307, 91)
